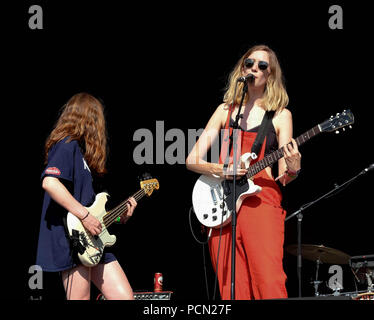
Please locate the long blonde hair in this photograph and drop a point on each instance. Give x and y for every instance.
(275, 96)
(82, 119)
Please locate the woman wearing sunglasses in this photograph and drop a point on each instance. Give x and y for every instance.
(260, 220)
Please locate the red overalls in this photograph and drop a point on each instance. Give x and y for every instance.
(259, 239)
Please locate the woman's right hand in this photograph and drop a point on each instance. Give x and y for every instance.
(92, 224)
(228, 174)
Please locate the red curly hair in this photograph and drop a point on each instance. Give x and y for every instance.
(82, 119)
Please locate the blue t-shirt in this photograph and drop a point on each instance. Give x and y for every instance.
(65, 162)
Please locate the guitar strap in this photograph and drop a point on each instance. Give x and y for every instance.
(262, 132)
(74, 239)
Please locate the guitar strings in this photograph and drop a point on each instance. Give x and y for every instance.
(112, 215)
(278, 154)
(122, 206)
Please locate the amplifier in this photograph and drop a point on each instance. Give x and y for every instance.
(163, 295)
(139, 295)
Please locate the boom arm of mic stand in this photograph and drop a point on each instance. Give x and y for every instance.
(336, 189)
(299, 215)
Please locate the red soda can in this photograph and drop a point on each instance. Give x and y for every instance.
(158, 282)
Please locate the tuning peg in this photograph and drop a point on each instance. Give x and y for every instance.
(350, 127)
(343, 129)
(337, 131)
(146, 176)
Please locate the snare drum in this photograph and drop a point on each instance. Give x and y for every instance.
(365, 296)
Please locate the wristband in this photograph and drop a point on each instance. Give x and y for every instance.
(85, 216)
(292, 174)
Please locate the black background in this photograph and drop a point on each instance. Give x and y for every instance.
(170, 62)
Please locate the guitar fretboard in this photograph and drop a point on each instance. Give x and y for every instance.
(271, 158)
(113, 214)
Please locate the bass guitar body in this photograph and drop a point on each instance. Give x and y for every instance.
(91, 248)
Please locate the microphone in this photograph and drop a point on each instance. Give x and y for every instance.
(249, 77)
(370, 167)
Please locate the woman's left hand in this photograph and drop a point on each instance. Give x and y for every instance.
(131, 205)
(292, 156)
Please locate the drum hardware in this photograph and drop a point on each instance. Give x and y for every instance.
(299, 215)
(363, 270)
(354, 295)
(365, 296)
(320, 254)
(336, 291)
(316, 282)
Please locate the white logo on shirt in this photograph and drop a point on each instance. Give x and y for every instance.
(85, 166)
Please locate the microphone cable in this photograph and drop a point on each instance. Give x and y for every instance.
(203, 243)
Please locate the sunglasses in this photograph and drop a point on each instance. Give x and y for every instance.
(262, 65)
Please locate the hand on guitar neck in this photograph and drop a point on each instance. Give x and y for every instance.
(292, 159)
(131, 205)
(93, 225)
(292, 156)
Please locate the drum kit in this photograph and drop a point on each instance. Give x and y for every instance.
(362, 268)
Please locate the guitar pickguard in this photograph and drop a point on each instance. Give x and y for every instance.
(93, 245)
(91, 248)
(213, 198)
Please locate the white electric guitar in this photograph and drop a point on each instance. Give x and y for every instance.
(91, 248)
(212, 197)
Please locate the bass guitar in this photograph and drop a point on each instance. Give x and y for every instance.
(91, 248)
(213, 197)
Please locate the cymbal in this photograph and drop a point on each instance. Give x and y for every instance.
(320, 252)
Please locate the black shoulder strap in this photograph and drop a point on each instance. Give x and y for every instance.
(262, 131)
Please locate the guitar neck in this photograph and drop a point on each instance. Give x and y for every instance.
(113, 214)
(273, 157)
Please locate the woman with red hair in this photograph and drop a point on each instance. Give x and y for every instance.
(74, 151)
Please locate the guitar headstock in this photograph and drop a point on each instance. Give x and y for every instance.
(149, 185)
(341, 120)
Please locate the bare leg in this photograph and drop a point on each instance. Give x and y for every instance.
(111, 280)
(77, 283)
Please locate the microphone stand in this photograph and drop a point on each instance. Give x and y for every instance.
(299, 216)
(233, 141)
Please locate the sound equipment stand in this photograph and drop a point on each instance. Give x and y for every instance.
(233, 142)
(316, 282)
(299, 215)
